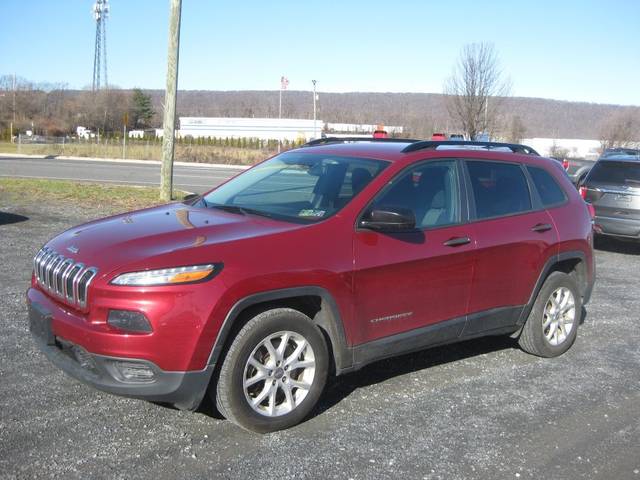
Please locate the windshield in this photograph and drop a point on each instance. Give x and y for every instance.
(616, 173)
(296, 186)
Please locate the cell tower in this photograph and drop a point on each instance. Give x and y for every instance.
(100, 13)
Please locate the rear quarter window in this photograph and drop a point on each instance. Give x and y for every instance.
(548, 189)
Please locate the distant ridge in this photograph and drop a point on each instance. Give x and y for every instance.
(420, 113)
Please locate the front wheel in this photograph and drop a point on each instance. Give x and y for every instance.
(274, 372)
(552, 325)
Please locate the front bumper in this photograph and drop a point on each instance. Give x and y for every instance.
(617, 227)
(185, 390)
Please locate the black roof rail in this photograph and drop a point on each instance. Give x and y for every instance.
(433, 144)
(329, 140)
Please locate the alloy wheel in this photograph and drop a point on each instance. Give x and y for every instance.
(559, 316)
(279, 373)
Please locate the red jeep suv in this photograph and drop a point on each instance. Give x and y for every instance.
(316, 262)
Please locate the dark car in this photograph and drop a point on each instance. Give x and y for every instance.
(613, 188)
(577, 168)
(316, 262)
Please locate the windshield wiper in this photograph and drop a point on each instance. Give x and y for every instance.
(238, 209)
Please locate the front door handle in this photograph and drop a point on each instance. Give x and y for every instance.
(457, 241)
(541, 227)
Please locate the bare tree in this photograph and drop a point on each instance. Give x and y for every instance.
(622, 129)
(517, 129)
(475, 89)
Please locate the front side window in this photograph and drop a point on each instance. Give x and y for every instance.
(498, 188)
(429, 190)
(550, 192)
(296, 186)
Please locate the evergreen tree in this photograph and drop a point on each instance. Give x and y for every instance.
(141, 109)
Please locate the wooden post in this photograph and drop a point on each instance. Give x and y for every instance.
(168, 139)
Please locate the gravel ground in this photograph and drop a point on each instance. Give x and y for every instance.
(481, 409)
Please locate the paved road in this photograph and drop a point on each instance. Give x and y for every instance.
(196, 179)
(481, 409)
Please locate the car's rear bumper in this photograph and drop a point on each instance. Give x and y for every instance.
(618, 227)
(130, 377)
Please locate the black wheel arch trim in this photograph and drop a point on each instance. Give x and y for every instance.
(328, 318)
(547, 269)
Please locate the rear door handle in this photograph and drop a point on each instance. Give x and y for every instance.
(457, 241)
(541, 227)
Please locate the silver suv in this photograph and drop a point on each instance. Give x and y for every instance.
(613, 188)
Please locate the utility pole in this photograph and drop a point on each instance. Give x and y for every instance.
(14, 107)
(168, 139)
(315, 129)
(125, 120)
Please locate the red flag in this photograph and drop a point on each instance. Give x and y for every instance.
(284, 83)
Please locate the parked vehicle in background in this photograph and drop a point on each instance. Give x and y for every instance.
(456, 136)
(613, 188)
(577, 168)
(438, 136)
(380, 132)
(318, 261)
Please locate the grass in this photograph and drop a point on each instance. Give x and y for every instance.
(143, 150)
(93, 195)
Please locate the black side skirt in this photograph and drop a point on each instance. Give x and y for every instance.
(497, 321)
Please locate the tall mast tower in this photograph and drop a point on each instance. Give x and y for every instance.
(100, 12)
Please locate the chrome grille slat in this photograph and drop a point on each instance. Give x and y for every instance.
(47, 268)
(76, 279)
(57, 275)
(63, 277)
(51, 267)
(43, 261)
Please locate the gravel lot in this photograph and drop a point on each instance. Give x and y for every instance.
(482, 409)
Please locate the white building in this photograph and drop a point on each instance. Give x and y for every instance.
(136, 133)
(262, 128)
(360, 128)
(577, 148)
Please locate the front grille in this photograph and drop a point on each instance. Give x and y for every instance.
(63, 277)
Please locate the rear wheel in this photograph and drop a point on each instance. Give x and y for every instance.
(552, 325)
(274, 372)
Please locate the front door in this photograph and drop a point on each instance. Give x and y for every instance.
(404, 281)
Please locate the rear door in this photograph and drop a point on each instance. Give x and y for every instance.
(515, 236)
(404, 281)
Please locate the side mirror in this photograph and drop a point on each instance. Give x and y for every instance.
(191, 198)
(389, 219)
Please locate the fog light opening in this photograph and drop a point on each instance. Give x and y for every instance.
(129, 320)
(134, 372)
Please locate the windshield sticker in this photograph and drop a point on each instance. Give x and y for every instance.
(311, 213)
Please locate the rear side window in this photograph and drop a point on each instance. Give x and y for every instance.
(498, 189)
(550, 192)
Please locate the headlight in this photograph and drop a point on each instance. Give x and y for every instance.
(167, 276)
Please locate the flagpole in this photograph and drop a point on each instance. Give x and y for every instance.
(315, 134)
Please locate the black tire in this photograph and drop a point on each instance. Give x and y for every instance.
(230, 394)
(532, 339)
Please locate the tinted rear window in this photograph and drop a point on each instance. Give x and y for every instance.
(549, 191)
(616, 173)
(498, 188)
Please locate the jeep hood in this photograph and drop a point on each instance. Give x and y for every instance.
(135, 236)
